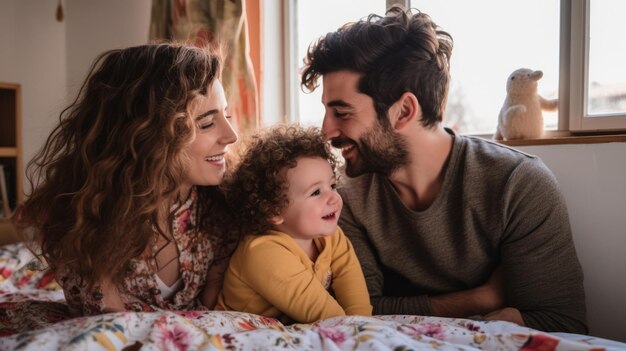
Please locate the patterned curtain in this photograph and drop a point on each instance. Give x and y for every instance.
(202, 22)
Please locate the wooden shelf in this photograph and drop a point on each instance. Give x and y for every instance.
(10, 142)
(8, 152)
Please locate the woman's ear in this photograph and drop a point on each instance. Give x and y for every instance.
(405, 110)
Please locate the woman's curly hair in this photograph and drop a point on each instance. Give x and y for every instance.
(106, 173)
(257, 189)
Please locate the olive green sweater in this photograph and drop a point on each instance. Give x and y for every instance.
(497, 207)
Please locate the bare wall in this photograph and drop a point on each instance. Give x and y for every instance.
(50, 59)
(33, 55)
(593, 180)
(94, 26)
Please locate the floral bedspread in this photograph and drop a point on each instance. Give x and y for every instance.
(33, 316)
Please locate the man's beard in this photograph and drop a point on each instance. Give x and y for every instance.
(380, 150)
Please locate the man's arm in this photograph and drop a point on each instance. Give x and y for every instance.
(481, 300)
(477, 301)
(508, 314)
(543, 278)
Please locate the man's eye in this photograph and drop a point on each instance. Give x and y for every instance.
(316, 193)
(340, 114)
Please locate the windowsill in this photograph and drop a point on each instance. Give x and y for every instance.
(557, 138)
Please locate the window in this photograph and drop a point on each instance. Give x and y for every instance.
(577, 44)
(598, 76)
(310, 110)
(493, 38)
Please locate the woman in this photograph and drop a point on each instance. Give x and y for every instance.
(124, 189)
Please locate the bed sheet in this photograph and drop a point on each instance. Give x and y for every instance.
(33, 316)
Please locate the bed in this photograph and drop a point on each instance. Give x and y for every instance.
(33, 316)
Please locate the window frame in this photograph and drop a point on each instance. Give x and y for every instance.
(573, 68)
(579, 119)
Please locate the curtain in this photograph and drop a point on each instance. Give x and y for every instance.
(202, 22)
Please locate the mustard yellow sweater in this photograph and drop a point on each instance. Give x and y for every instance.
(271, 275)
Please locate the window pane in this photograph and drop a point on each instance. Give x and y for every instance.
(493, 38)
(315, 19)
(606, 83)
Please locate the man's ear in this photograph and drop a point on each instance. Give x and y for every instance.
(277, 220)
(405, 110)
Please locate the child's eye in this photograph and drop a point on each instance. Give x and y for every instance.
(333, 186)
(316, 193)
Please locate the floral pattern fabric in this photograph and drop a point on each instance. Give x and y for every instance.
(140, 291)
(34, 316)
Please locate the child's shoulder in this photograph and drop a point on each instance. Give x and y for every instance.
(268, 251)
(274, 242)
(334, 240)
(268, 241)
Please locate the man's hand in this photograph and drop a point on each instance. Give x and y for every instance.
(508, 314)
(490, 296)
(481, 300)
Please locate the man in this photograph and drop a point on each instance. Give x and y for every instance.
(443, 224)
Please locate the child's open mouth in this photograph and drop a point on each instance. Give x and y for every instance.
(329, 216)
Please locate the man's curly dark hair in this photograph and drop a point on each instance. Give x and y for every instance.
(257, 188)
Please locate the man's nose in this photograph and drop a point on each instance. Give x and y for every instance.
(329, 127)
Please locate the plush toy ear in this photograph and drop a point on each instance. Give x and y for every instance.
(405, 110)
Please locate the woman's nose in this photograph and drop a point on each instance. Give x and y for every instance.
(229, 135)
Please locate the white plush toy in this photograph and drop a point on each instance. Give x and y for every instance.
(521, 116)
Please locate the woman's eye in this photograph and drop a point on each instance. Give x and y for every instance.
(316, 193)
(207, 125)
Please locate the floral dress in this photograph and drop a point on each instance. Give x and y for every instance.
(139, 290)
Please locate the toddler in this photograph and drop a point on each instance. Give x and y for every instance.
(294, 263)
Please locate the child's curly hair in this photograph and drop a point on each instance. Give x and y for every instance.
(257, 188)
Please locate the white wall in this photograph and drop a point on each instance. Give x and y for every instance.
(8, 38)
(33, 54)
(593, 180)
(50, 60)
(94, 26)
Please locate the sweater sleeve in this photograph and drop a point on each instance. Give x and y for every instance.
(280, 277)
(373, 272)
(348, 281)
(543, 277)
